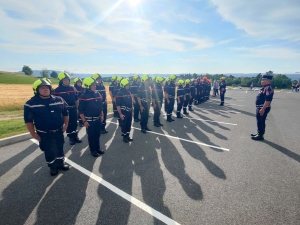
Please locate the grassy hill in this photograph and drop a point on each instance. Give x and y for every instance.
(18, 78)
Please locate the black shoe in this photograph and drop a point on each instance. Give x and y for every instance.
(104, 131)
(169, 120)
(160, 124)
(95, 154)
(221, 105)
(156, 125)
(190, 109)
(186, 113)
(253, 135)
(63, 166)
(53, 171)
(147, 129)
(77, 140)
(179, 116)
(100, 152)
(144, 130)
(136, 120)
(125, 139)
(129, 139)
(172, 119)
(258, 137)
(72, 141)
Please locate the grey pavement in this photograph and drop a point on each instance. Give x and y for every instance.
(176, 175)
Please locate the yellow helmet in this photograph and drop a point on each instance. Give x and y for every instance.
(223, 78)
(96, 76)
(88, 81)
(39, 83)
(167, 80)
(63, 75)
(47, 79)
(119, 78)
(124, 82)
(173, 77)
(135, 77)
(159, 79)
(113, 78)
(187, 81)
(77, 79)
(144, 78)
(180, 82)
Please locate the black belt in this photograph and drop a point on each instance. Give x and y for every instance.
(49, 131)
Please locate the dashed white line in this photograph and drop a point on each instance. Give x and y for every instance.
(119, 192)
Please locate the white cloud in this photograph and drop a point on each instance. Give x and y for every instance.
(265, 19)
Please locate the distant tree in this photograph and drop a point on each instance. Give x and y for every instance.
(53, 74)
(295, 81)
(44, 72)
(27, 70)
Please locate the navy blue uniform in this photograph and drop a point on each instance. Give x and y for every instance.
(90, 105)
(157, 95)
(180, 95)
(193, 93)
(101, 90)
(165, 90)
(112, 90)
(222, 92)
(199, 88)
(134, 90)
(69, 94)
(171, 93)
(187, 93)
(47, 116)
(124, 100)
(145, 96)
(265, 94)
(80, 91)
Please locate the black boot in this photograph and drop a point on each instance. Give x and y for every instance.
(179, 116)
(222, 104)
(62, 166)
(100, 152)
(191, 109)
(253, 135)
(147, 129)
(125, 139)
(72, 141)
(160, 124)
(169, 118)
(95, 154)
(185, 112)
(143, 130)
(156, 124)
(258, 137)
(129, 139)
(77, 140)
(53, 169)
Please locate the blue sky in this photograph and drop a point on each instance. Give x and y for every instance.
(151, 36)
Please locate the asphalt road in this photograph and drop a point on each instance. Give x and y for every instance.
(203, 169)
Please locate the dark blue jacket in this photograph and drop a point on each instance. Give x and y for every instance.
(68, 93)
(90, 104)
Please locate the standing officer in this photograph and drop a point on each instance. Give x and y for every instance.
(133, 90)
(124, 107)
(198, 87)
(193, 94)
(180, 98)
(101, 89)
(144, 98)
(112, 94)
(157, 98)
(222, 90)
(170, 97)
(91, 113)
(187, 93)
(167, 82)
(80, 90)
(46, 118)
(69, 94)
(263, 105)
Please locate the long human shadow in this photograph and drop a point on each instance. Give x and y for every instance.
(148, 168)
(195, 150)
(66, 196)
(283, 150)
(211, 123)
(116, 168)
(211, 111)
(14, 160)
(176, 166)
(23, 194)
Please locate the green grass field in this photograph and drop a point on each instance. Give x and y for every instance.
(12, 127)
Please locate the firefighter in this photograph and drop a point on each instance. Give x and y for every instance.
(112, 94)
(157, 98)
(198, 87)
(144, 98)
(180, 98)
(170, 97)
(69, 94)
(222, 90)
(263, 106)
(133, 90)
(193, 94)
(46, 118)
(80, 90)
(101, 89)
(167, 82)
(187, 93)
(124, 107)
(91, 113)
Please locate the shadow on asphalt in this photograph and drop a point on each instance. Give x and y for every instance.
(283, 150)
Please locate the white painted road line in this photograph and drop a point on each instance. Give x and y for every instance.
(119, 192)
(195, 142)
